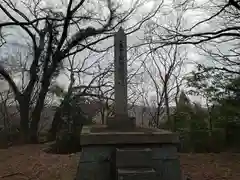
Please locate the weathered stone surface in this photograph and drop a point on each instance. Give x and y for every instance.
(99, 144)
(162, 158)
(93, 171)
(96, 154)
(133, 137)
(134, 157)
(136, 174)
(95, 163)
(105, 128)
(168, 169)
(121, 123)
(120, 74)
(86, 129)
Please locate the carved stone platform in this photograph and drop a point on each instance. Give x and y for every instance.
(103, 135)
(141, 154)
(120, 150)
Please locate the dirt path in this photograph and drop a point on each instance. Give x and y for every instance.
(222, 166)
(29, 162)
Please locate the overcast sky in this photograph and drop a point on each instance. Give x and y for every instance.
(191, 17)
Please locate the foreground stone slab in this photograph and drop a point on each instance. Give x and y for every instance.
(97, 135)
(120, 150)
(111, 155)
(136, 174)
(121, 123)
(133, 157)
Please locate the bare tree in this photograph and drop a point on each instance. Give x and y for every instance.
(163, 69)
(56, 35)
(106, 90)
(163, 65)
(57, 119)
(214, 28)
(216, 36)
(76, 70)
(105, 93)
(15, 60)
(219, 16)
(5, 97)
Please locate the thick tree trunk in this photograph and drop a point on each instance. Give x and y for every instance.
(24, 119)
(57, 120)
(102, 114)
(34, 132)
(210, 125)
(36, 114)
(55, 125)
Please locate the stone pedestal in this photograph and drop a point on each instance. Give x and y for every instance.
(141, 154)
(122, 123)
(121, 151)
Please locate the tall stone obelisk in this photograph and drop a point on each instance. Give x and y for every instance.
(120, 150)
(120, 75)
(121, 121)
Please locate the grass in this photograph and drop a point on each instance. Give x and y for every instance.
(29, 162)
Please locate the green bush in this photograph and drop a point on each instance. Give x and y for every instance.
(200, 141)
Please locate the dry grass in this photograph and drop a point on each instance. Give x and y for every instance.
(222, 166)
(29, 162)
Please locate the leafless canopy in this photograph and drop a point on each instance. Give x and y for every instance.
(58, 31)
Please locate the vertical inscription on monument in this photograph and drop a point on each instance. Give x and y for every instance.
(120, 64)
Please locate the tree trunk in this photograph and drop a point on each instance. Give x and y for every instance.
(24, 119)
(57, 120)
(167, 108)
(102, 114)
(106, 112)
(36, 114)
(158, 115)
(168, 114)
(142, 113)
(210, 125)
(55, 125)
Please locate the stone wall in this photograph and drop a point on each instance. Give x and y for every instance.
(129, 162)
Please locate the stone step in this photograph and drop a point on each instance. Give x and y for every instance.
(133, 157)
(136, 174)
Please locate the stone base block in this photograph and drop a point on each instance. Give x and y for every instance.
(124, 123)
(139, 154)
(136, 174)
(102, 135)
(133, 157)
(93, 171)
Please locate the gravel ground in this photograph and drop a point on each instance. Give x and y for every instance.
(30, 163)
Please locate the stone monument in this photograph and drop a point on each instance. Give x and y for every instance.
(120, 150)
(121, 121)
